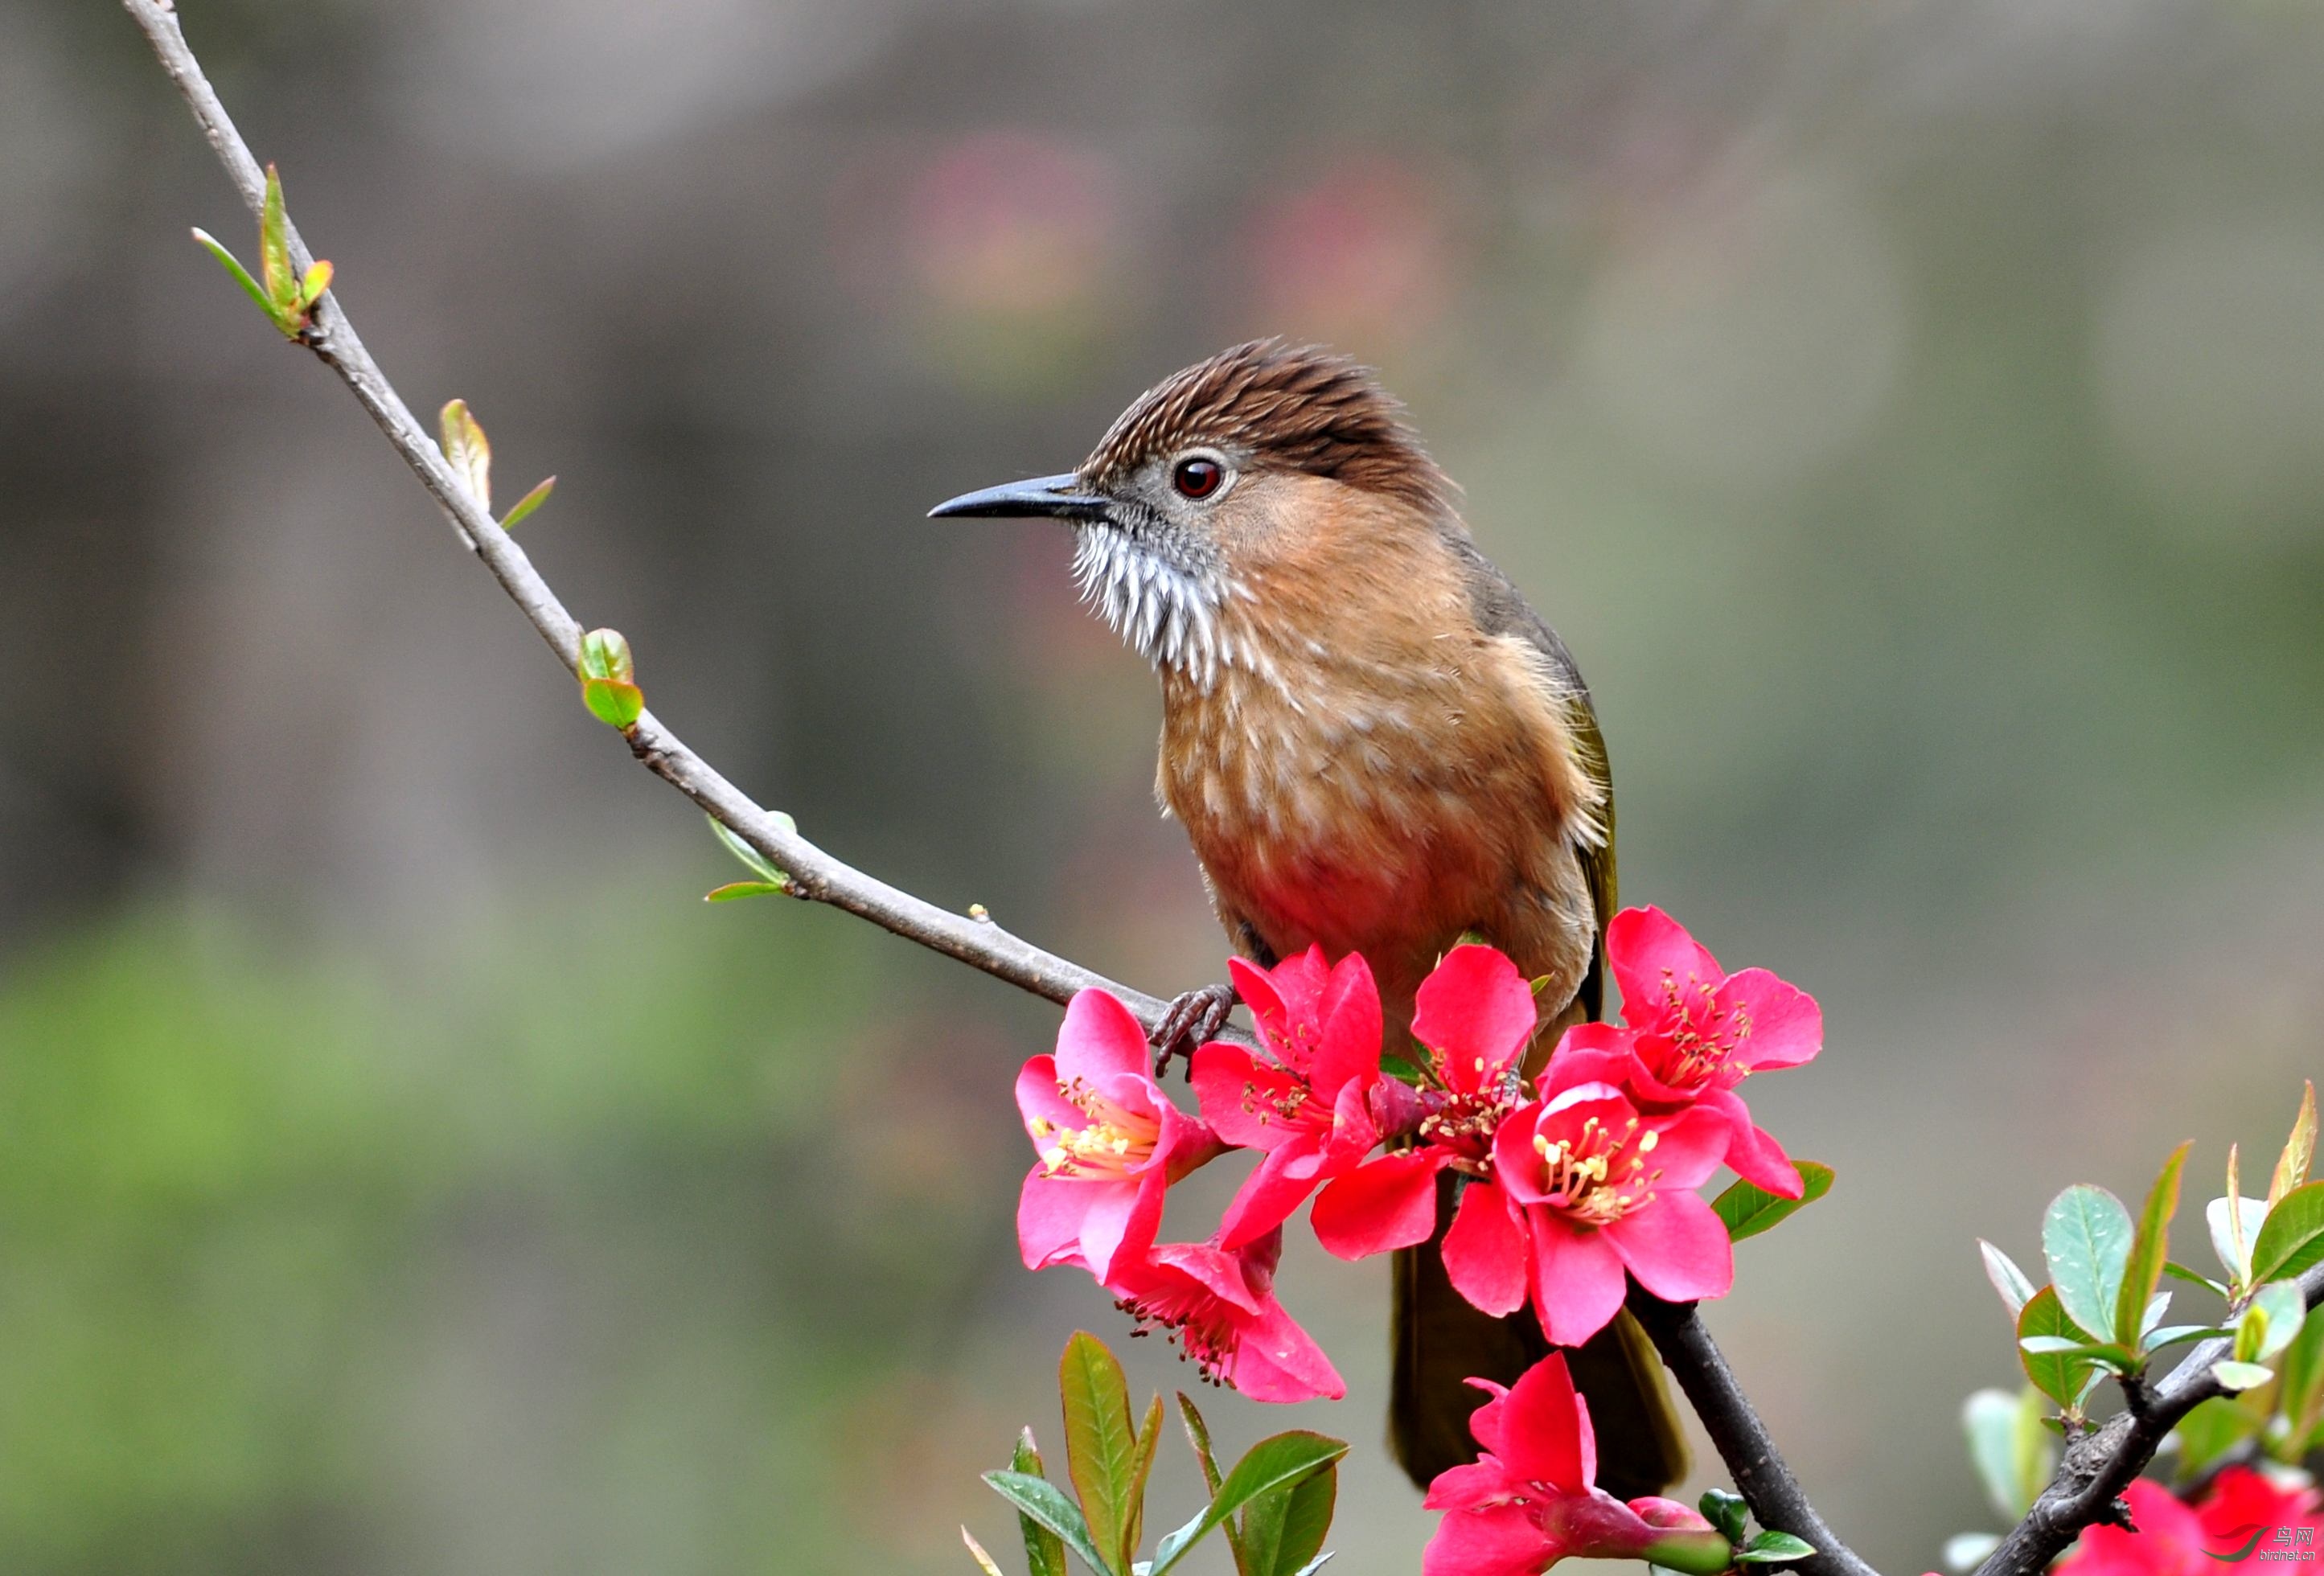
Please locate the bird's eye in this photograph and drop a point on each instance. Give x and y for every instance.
(1197, 478)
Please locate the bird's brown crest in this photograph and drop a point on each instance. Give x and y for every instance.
(1299, 407)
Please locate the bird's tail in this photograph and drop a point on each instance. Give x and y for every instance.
(1442, 1342)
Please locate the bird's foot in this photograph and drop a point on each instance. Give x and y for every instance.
(1192, 1018)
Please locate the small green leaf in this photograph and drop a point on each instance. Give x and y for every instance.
(605, 654)
(2194, 1277)
(2293, 1239)
(1198, 1436)
(1402, 1071)
(2233, 1231)
(1726, 1512)
(1045, 1551)
(2086, 1237)
(1150, 1436)
(311, 288)
(1278, 1459)
(2007, 1447)
(614, 704)
(274, 254)
(1101, 1443)
(733, 891)
(983, 1560)
(1046, 1504)
(1773, 1548)
(2150, 1249)
(2282, 1311)
(2303, 1396)
(1306, 1522)
(2241, 1376)
(2172, 1334)
(2012, 1283)
(1748, 1210)
(529, 503)
(753, 860)
(471, 457)
(233, 266)
(2292, 1165)
(2057, 1374)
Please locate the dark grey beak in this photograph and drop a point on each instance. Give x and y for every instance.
(1044, 497)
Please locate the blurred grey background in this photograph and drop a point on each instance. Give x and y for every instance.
(1909, 412)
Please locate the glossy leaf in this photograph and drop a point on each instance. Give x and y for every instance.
(733, 891)
(605, 654)
(2301, 1399)
(311, 288)
(2008, 1447)
(2298, 1151)
(1773, 1548)
(614, 704)
(1101, 1443)
(1283, 1530)
(529, 503)
(233, 266)
(1150, 1436)
(2292, 1240)
(2194, 1277)
(2172, 1334)
(2241, 1376)
(2057, 1374)
(753, 860)
(2086, 1237)
(1748, 1210)
(2013, 1285)
(2150, 1249)
(1726, 1511)
(1198, 1436)
(2232, 1235)
(1045, 1551)
(2280, 1311)
(976, 1549)
(468, 454)
(274, 253)
(1274, 1462)
(1046, 1504)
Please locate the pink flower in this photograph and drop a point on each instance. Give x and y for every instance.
(1219, 1306)
(1531, 1499)
(1307, 1105)
(1594, 1188)
(2243, 1513)
(1108, 1140)
(1475, 1013)
(1696, 1031)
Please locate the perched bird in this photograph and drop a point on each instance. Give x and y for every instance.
(1373, 743)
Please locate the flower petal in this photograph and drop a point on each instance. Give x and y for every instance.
(1277, 1360)
(1545, 1436)
(1752, 1151)
(1485, 1250)
(1049, 1215)
(1474, 1008)
(1787, 1024)
(1646, 948)
(1349, 1018)
(1384, 1203)
(1100, 1041)
(1689, 1146)
(1480, 1483)
(1271, 1194)
(1236, 1089)
(1677, 1247)
(1578, 1282)
(1037, 1100)
(1500, 1540)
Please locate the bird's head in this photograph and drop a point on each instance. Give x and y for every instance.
(1253, 456)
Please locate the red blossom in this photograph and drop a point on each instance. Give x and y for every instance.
(1307, 1104)
(1531, 1499)
(1109, 1141)
(1593, 1188)
(1219, 1307)
(2244, 1512)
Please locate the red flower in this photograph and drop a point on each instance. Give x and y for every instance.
(1475, 1013)
(2244, 1512)
(1219, 1307)
(1592, 1187)
(1108, 1140)
(1308, 1105)
(1531, 1499)
(1696, 1031)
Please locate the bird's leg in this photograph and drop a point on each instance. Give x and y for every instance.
(1192, 1018)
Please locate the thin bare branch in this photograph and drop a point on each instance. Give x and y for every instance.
(814, 875)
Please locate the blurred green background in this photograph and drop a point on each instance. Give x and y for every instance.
(1909, 412)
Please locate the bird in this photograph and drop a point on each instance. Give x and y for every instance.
(1374, 743)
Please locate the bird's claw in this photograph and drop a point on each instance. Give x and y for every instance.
(1192, 1018)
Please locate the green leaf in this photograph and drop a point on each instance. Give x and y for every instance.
(613, 704)
(1402, 1071)
(734, 890)
(1198, 1436)
(471, 459)
(529, 503)
(1278, 1459)
(2172, 1334)
(1773, 1548)
(1283, 1528)
(2150, 1249)
(605, 654)
(2012, 1283)
(1046, 1504)
(2007, 1446)
(2292, 1240)
(1045, 1551)
(753, 860)
(1101, 1444)
(233, 266)
(2104, 1353)
(2086, 1237)
(1150, 1436)
(2281, 1310)
(1726, 1512)
(2292, 1165)
(2057, 1374)
(1748, 1210)
(2209, 1431)
(2194, 1277)
(311, 288)
(983, 1560)
(2233, 1233)
(2241, 1376)
(274, 254)
(2301, 1396)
